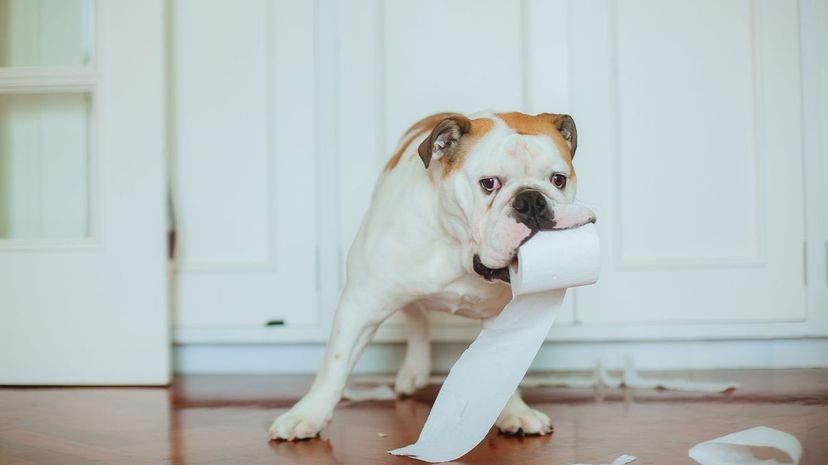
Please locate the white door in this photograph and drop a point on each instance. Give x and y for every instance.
(691, 149)
(693, 157)
(82, 235)
(244, 170)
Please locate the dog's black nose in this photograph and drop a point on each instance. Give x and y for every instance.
(530, 205)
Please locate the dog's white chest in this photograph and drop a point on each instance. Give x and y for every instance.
(469, 297)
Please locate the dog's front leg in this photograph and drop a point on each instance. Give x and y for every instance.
(517, 418)
(355, 323)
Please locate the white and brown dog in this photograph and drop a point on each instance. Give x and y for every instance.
(450, 210)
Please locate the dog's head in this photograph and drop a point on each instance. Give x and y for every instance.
(501, 178)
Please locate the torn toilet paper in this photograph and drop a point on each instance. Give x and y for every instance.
(622, 460)
(734, 449)
(631, 378)
(489, 371)
(390, 379)
(599, 377)
(381, 392)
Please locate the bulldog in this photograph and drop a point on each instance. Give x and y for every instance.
(454, 203)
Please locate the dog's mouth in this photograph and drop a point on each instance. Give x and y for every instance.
(499, 274)
(490, 274)
(573, 217)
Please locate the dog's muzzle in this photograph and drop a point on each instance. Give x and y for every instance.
(530, 208)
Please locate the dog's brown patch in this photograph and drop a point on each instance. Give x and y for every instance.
(544, 124)
(529, 125)
(419, 128)
(478, 128)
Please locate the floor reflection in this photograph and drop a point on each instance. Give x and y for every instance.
(315, 451)
(220, 420)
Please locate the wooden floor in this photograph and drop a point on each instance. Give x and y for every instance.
(223, 420)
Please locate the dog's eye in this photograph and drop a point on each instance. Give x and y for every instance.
(490, 185)
(559, 180)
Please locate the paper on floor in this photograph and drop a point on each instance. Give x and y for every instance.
(381, 392)
(734, 449)
(623, 460)
(391, 379)
(629, 378)
(489, 371)
(599, 377)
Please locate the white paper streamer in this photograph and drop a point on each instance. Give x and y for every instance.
(389, 380)
(599, 377)
(631, 378)
(734, 449)
(622, 460)
(381, 392)
(489, 371)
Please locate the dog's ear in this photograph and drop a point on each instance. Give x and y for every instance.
(566, 126)
(444, 139)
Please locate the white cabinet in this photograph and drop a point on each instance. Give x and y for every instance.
(691, 150)
(243, 125)
(693, 158)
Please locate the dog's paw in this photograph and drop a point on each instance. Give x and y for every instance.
(410, 378)
(523, 421)
(297, 424)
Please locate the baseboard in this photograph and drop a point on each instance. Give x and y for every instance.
(386, 357)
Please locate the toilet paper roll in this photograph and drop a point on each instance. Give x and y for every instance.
(489, 371)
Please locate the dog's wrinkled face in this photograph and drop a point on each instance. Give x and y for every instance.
(503, 178)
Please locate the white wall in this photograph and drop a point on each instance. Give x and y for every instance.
(701, 147)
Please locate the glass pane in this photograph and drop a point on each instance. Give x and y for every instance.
(44, 166)
(45, 32)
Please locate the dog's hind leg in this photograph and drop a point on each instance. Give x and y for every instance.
(416, 366)
(354, 325)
